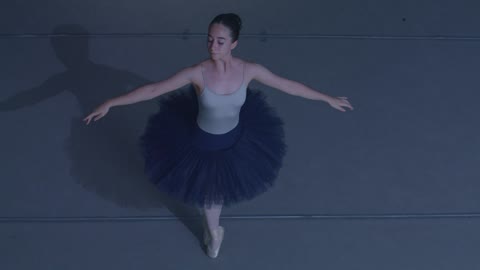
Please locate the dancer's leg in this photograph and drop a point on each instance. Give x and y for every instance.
(212, 216)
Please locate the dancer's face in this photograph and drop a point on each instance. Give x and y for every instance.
(219, 42)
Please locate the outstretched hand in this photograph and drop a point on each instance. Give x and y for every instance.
(99, 112)
(340, 102)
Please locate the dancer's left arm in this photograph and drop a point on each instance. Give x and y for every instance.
(265, 76)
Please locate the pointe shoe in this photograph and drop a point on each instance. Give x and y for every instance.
(218, 234)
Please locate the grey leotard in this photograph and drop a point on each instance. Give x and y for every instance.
(218, 114)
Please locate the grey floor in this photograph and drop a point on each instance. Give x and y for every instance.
(390, 185)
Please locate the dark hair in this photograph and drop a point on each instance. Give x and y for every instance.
(232, 21)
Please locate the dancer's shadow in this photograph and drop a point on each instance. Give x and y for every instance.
(105, 155)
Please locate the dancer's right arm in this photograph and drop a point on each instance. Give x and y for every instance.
(149, 91)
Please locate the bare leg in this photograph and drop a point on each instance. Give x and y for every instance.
(212, 216)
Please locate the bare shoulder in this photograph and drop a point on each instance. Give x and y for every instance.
(248, 64)
(255, 70)
(251, 68)
(188, 74)
(254, 67)
(196, 74)
(263, 75)
(192, 69)
(202, 64)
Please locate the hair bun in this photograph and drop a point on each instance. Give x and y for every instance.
(235, 18)
(239, 21)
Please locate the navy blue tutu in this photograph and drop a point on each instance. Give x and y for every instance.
(200, 168)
